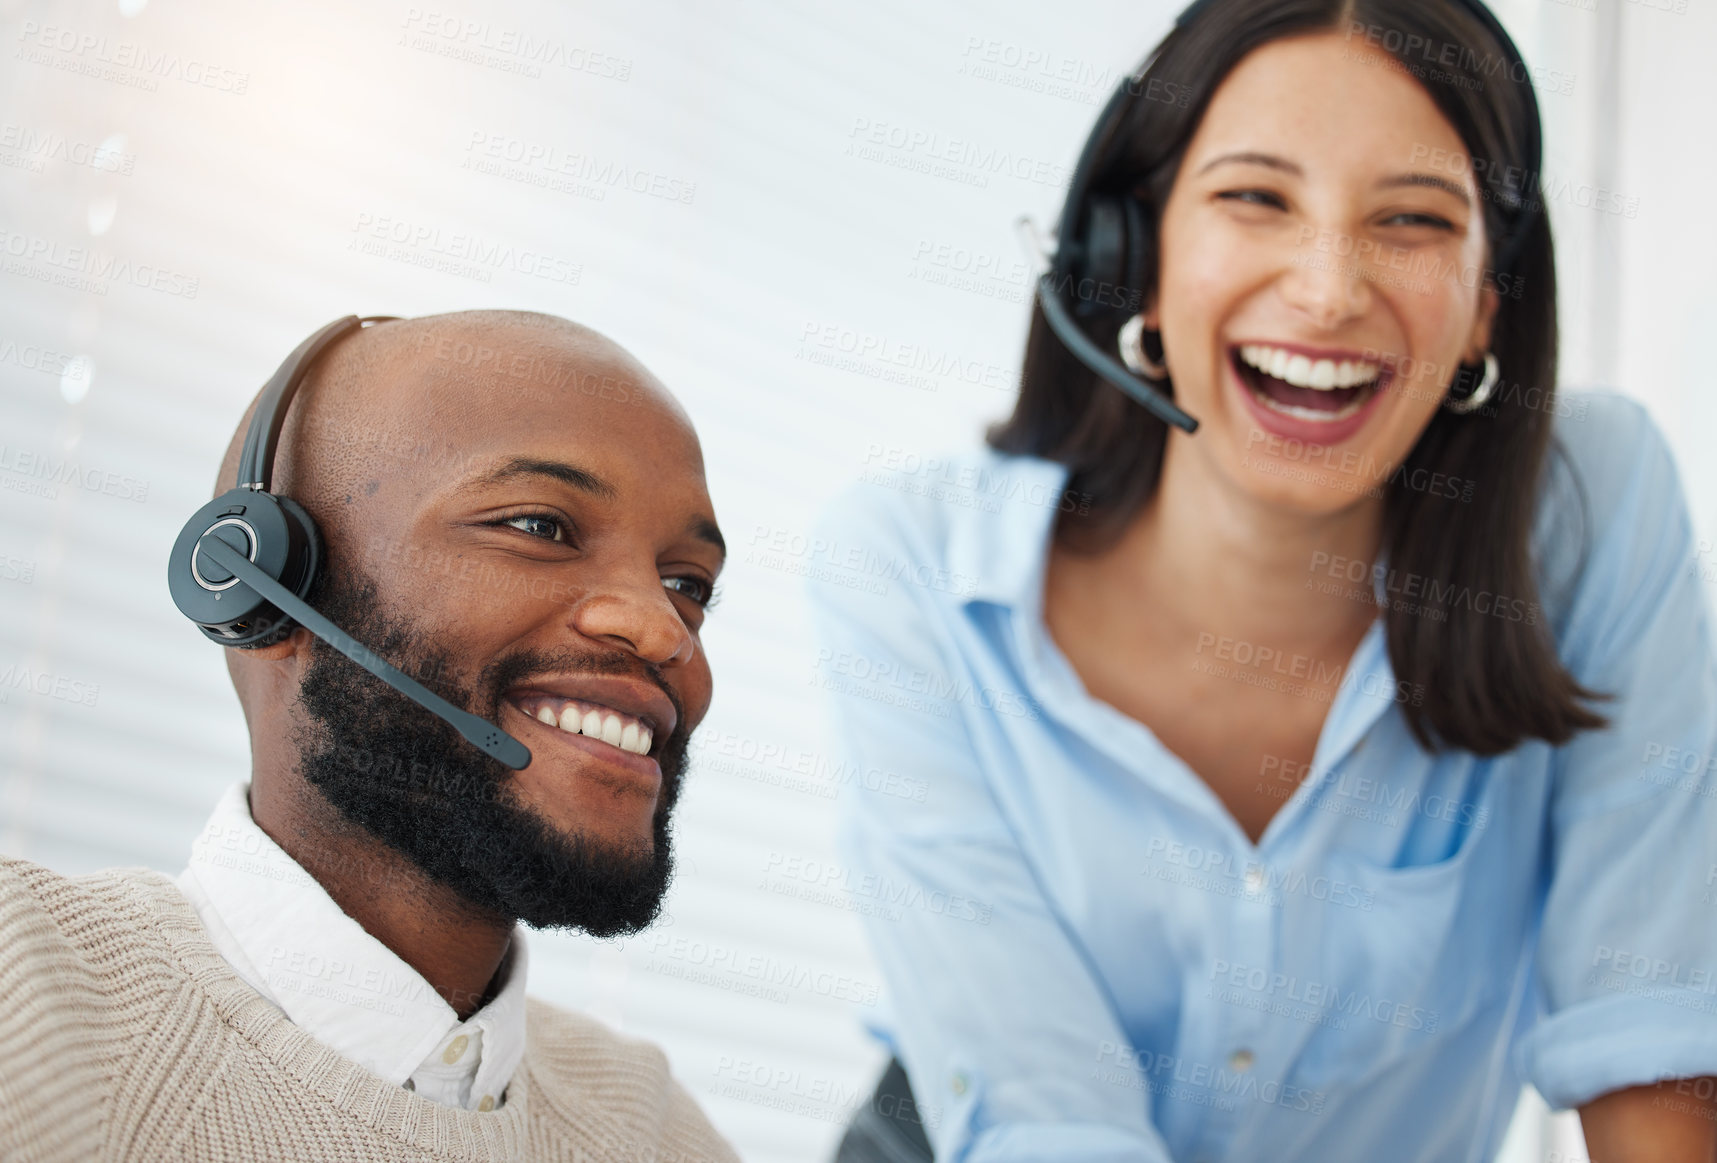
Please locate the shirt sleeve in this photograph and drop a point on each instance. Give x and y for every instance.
(1012, 1046)
(1628, 948)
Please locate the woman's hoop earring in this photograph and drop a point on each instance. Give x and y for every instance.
(1472, 403)
(1131, 341)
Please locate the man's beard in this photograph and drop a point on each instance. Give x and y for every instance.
(408, 778)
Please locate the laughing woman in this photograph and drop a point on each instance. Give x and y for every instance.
(1298, 787)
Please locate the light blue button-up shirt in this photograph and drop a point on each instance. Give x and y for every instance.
(1087, 958)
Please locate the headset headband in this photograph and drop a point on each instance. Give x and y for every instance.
(256, 461)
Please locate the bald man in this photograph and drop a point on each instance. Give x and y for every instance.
(514, 513)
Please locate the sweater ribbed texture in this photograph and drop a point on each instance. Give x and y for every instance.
(124, 1035)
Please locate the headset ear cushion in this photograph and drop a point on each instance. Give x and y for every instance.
(303, 563)
(1104, 254)
(1136, 272)
(306, 553)
(297, 573)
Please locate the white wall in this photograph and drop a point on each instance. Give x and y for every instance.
(789, 232)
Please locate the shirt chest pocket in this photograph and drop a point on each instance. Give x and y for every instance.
(1412, 956)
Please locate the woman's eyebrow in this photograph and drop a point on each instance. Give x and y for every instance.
(520, 466)
(1270, 160)
(1253, 158)
(1432, 181)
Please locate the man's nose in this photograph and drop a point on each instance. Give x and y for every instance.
(638, 615)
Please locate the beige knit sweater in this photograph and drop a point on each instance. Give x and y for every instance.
(124, 1035)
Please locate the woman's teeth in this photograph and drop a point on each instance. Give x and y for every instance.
(1324, 390)
(595, 722)
(1320, 414)
(1304, 372)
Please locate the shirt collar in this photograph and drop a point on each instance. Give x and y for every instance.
(997, 553)
(296, 946)
(1000, 546)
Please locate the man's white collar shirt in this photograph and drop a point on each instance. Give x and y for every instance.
(283, 933)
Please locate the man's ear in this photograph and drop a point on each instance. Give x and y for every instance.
(256, 681)
(293, 643)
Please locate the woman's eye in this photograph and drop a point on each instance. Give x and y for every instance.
(694, 588)
(1420, 220)
(536, 525)
(1254, 198)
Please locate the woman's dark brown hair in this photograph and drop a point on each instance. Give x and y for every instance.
(1489, 683)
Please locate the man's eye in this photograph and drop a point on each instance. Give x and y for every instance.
(695, 588)
(537, 525)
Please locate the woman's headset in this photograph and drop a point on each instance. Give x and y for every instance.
(1101, 237)
(245, 561)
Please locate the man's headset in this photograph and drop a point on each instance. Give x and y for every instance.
(1101, 237)
(244, 562)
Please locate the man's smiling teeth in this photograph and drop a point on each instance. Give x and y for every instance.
(595, 721)
(1303, 372)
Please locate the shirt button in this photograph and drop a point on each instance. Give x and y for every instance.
(1254, 878)
(1241, 1061)
(488, 1103)
(958, 1084)
(455, 1049)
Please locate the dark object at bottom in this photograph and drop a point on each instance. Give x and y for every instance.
(888, 1129)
